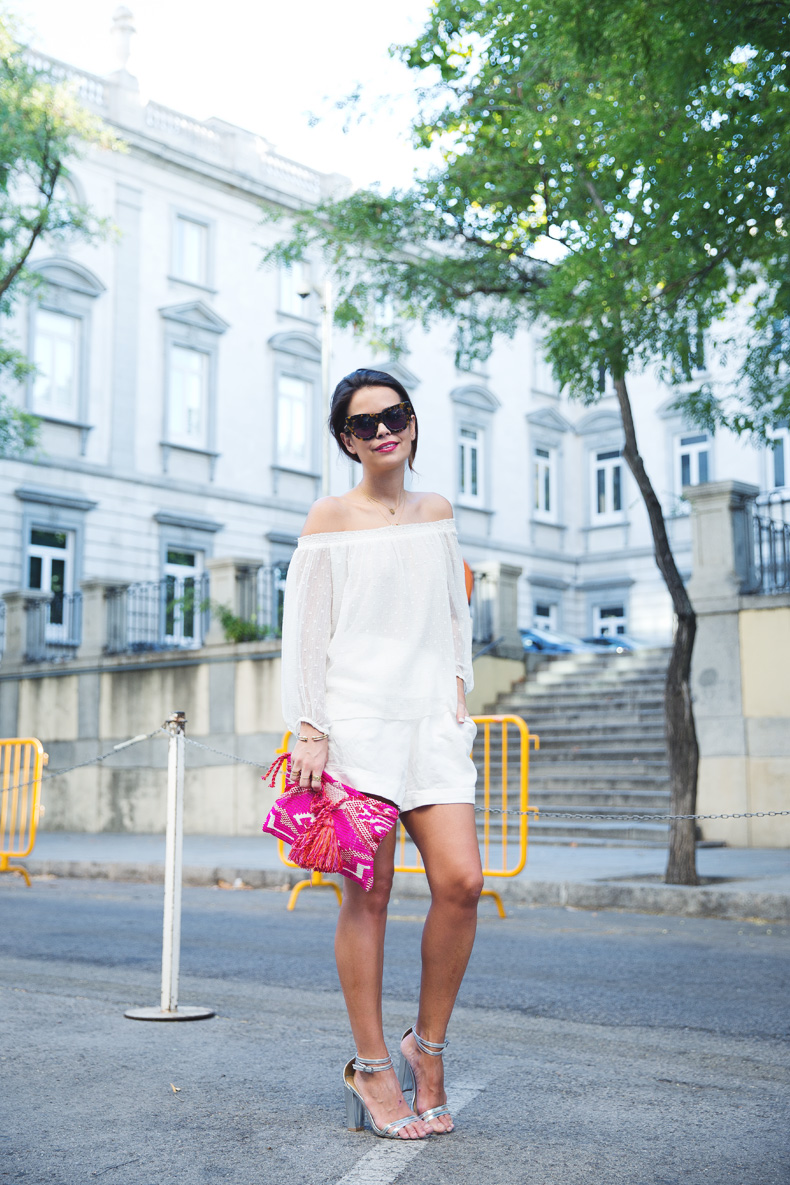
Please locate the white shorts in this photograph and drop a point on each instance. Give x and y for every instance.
(409, 762)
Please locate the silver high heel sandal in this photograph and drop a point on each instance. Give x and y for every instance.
(408, 1081)
(357, 1108)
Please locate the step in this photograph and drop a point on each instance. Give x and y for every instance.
(596, 712)
(592, 735)
(654, 681)
(616, 783)
(633, 753)
(624, 831)
(594, 800)
(589, 841)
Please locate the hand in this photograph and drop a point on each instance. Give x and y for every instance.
(461, 711)
(309, 758)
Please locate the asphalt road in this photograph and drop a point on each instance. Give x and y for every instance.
(611, 1049)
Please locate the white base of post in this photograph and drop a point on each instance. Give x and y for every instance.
(181, 1013)
(171, 927)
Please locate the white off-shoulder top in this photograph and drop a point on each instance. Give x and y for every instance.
(375, 623)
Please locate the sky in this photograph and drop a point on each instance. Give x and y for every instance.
(264, 66)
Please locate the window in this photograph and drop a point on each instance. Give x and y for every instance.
(190, 251)
(183, 592)
(470, 465)
(50, 567)
(607, 485)
(187, 396)
(779, 473)
(545, 616)
(608, 620)
(293, 421)
(295, 289)
(692, 466)
(544, 484)
(542, 375)
(56, 354)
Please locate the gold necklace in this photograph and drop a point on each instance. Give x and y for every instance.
(386, 507)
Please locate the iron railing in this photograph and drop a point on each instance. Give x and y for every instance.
(261, 595)
(482, 610)
(53, 627)
(771, 554)
(168, 614)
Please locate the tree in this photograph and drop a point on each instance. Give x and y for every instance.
(42, 126)
(620, 175)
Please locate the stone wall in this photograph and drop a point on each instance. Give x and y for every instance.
(741, 674)
(231, 695)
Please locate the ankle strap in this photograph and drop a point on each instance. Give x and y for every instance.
(371, 1065)
(432, 1048)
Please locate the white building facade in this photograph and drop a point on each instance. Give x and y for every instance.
(179, 388)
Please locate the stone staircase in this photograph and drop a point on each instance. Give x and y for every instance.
(600, 719)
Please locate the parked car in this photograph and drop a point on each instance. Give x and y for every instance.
(617, 642)
(552, 642)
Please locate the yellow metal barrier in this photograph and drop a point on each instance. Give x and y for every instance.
(22, 760)
(505, 855)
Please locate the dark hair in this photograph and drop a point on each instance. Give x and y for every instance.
(348, 387)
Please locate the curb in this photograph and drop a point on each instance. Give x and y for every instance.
(673, 900)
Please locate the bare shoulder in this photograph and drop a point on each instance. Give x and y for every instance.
(327, 514)
(433, 507)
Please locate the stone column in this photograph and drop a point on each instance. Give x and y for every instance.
(94, 617)
(226, 575)
(722, 541)
(500, 588)
(18, 625)
(723, 567)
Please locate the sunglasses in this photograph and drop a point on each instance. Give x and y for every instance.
(366, 425)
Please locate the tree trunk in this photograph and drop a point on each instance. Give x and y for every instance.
(678, 714)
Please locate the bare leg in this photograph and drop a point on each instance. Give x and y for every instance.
(359, 950)
(447, 839)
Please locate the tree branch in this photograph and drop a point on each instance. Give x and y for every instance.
(38, 228)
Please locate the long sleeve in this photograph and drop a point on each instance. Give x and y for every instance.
(459, 612)
(307, 628)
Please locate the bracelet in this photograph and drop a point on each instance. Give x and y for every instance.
(324, 736)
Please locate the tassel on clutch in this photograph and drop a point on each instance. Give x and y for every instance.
(334, 829)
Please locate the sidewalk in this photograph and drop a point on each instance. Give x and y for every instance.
(737, 882)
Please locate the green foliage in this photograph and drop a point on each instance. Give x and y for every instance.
(620, 177)
(42, 127)
(18, 429)
(237, 629)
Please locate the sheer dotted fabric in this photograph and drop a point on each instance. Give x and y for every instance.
(375, 624)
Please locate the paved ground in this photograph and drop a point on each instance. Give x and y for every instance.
(737, 882)
(588, 1049)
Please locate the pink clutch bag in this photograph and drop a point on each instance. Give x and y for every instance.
(334, 829)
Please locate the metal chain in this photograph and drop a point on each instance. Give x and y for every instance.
(533, 810)
(220, 753)
(57, 773)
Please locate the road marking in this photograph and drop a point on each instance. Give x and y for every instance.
(385, 1163)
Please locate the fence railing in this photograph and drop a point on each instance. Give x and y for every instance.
(53, 627)
(772, 555)
(482, 610)
(168, 614)
(261, 596)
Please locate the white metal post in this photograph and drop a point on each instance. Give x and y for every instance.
(171, 926)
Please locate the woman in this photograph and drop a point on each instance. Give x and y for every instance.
(376, 666)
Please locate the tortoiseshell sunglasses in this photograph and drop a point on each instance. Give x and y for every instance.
(366, 425)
